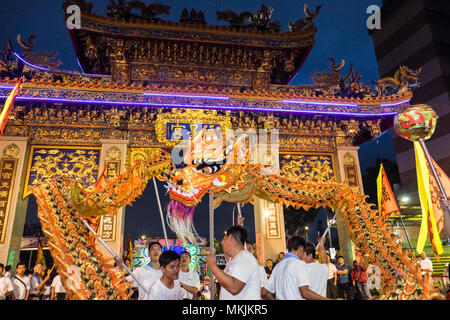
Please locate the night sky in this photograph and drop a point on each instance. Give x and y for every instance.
(342, 34)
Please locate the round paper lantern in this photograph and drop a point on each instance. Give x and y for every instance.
(416, 122)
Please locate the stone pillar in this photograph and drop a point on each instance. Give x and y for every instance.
(111, 228)
(347, 171)
(269, 218)
(13, 154)
(269, 230)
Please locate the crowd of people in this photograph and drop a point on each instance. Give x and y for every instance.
(295, 275)
(25, 285)
(298, 274)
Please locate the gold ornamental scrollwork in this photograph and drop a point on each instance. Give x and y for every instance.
(11, 151)
(113, 153)
(188, 118)
(47, 162)
(349, 159)
(308, 167)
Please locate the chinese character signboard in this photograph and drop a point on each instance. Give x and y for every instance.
(272, 221)
(183, 131)
(7, 173)
(351, 175)
(173, 127)
(108, 223)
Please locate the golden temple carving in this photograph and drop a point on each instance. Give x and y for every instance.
(308, 167)
(113, 154)
(48, 162)
(11, 151)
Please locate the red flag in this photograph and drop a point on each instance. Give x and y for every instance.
(9, 105)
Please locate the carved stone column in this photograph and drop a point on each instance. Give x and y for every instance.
(111, 228)
(13, 152)
(348, 171)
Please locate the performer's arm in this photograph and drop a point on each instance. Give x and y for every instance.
(323, 252)
(190, 289)
(230, 283)
(310, 295)
(266, 294)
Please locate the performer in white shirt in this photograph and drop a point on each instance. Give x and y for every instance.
(240, 279)
(317, 272)
(21, 282)
(57, 289)
(427, 268)
(150, 273)
(332, 279)
(6, 286)
(262, 271)
(289, 279)
(168, 287)
(189, 279)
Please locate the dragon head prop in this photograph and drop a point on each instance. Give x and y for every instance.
(207, 167)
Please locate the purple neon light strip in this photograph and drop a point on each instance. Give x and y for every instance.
(320, 103)
(175, 105)
(394, 104)
(185, 96)
(50, 70)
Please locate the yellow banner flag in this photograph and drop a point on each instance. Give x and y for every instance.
(428, 226)
(40, 259)
(387, 206)
(8, 106)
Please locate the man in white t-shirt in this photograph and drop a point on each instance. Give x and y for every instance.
(332, 279)
(6, 287)
(262, 271)
(148, 274)
(425, 264)
(57, 289)
(249, 248)
(317, 272)
(240, 279)
(21, 282)
(289, 279)
(189, 279)
(427, 268)
(168, 287)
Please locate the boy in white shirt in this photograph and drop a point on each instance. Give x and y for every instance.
(289, 279)
(21, 282)
(189, 279)
(168, 287)
(150, 273)
(57, 289)
(317, 272)
(6, 287)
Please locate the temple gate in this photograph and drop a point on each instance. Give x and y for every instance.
(145, 80)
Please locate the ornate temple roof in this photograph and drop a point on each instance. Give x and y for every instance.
(148, 49)
(157, 81)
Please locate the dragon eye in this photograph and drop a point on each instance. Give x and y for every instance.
(209, 168)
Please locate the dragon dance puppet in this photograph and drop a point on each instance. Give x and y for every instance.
(62, 202)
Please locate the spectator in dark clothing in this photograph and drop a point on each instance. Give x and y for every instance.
(280, 257)
(269, 267)
(343, 283)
